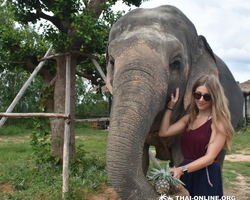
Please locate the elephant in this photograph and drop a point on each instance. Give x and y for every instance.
(150, 53)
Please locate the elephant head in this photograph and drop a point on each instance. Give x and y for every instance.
(150, 53)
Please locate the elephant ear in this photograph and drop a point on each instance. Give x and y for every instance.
(203, 62)
(109, 82)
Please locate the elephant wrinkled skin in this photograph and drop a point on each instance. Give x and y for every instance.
(150, 53)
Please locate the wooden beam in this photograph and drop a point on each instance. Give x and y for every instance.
(30, 115)
(21, 92)
(91, 120)
(99, 70)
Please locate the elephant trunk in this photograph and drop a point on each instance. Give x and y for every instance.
(138, 98)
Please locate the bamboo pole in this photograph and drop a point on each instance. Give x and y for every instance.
(29, 115)
(99, 70)
(91, 120)
(65, 187)
(21, 92)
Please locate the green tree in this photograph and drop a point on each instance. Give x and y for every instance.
(79, 28)
(20, 46)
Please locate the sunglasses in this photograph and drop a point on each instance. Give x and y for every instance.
(206, 97)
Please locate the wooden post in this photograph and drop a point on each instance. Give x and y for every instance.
(65, 187)
(245, 122)
(21, 92)
(99, 70)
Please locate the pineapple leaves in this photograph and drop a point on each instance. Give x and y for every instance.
(159, 174)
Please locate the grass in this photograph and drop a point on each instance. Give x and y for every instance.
(13, 130)
(232, 169)
(240, 142)
(242, 167)
(94, 141)
(31, 181)
(10, 153)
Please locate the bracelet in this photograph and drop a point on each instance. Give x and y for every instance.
(169, 108)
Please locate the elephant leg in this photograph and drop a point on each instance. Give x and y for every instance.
(145, 159)
(176, 152)
(221, 158)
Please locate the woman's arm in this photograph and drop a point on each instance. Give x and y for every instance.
(216, 143)
(165, 129)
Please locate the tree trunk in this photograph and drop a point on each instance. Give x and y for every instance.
(57, 124)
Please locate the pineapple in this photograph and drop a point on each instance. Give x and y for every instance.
(164, 182)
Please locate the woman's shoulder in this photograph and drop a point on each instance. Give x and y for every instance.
(220, 126)
(186, 118)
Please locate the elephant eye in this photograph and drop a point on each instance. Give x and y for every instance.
(110, 70)
(111, 60)
(175, 65)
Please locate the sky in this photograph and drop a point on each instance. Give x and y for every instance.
(224, 23)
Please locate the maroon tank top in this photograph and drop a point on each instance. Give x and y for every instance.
(194, 142)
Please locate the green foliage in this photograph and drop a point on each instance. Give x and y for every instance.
(93, 104)
(244, 124)
(69, 25)
(11, 83)
(41, 142)
(89, 102)
(80, 24)
(5, 15)
(132, 2)
(90, 32)
(18, 44)
(47, 92)
(87, 171)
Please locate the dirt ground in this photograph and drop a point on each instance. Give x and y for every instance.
(242, 189)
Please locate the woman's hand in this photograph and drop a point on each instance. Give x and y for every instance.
(178, 172)
(174, 99)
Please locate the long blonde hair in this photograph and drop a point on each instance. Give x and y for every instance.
(220, 110)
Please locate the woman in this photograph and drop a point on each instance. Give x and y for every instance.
(206, 131)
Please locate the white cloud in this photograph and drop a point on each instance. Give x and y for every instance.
(224, 23)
